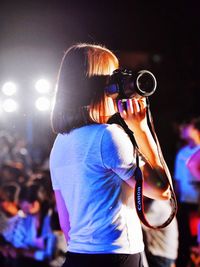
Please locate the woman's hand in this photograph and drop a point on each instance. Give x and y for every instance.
(133, 111)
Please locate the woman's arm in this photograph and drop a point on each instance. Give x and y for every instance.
(156, 184)
(62, 214)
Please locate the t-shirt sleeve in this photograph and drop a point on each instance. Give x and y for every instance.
(117, 152)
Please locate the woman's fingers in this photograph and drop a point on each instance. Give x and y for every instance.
(129, 104)
(132, 107)
(136, 106)
(143, 104)
(121, 109)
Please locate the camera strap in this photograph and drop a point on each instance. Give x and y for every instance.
(139, 203)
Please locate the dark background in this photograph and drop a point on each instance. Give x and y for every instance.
(162, 36)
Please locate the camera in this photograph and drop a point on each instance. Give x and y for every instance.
(125, 83)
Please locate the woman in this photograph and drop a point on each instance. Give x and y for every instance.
(34, 238)
(193, 163)
(92, 163)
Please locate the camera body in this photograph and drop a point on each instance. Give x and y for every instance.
(125, 84)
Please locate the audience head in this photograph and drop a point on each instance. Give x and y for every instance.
(9, 198)
(29, 201)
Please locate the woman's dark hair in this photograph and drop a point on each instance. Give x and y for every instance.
(9, 192)
(29, 193)
(81, 80)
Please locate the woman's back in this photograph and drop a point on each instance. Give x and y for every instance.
(89, 166)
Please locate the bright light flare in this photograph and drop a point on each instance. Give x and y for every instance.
(42, 86)
(43, 104)
(9, 88)
(9, 105)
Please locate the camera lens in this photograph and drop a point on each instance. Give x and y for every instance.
(146, 83)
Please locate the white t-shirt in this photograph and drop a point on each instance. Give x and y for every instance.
(188, 190)
(89, 166)
(162, 242)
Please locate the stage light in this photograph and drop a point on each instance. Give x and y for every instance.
(42, 86)
(43, 104)
(9, 88)
(9, 105)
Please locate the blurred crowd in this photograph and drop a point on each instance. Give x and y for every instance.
(187, 186)
(30, 234)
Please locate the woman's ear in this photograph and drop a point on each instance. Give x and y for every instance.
(35, 207)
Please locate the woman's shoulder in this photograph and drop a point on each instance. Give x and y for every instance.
(111, 131)
(61, 138)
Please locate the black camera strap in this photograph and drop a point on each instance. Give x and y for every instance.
(139, 203)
